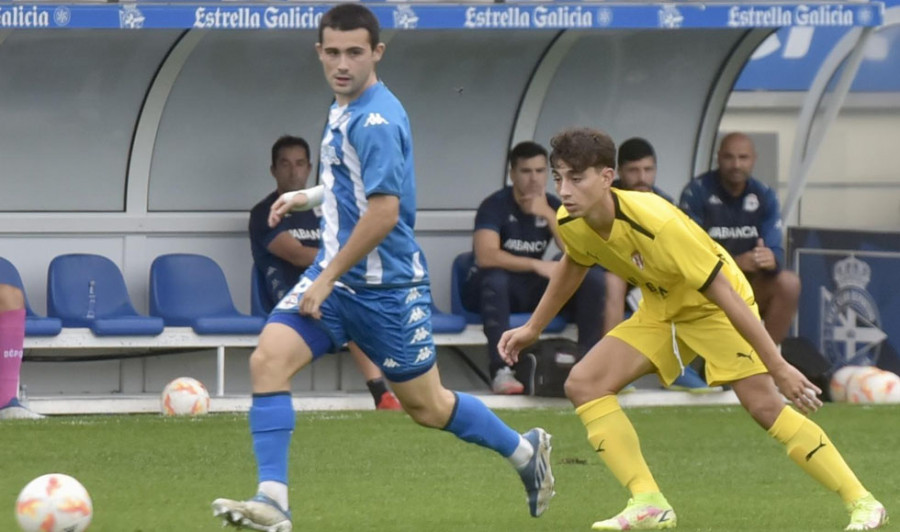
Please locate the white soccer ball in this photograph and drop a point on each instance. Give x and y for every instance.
(184, 396)
(54, 503)
(874, 386)
(840, 380)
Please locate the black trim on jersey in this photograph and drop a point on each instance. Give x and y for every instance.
(565, 220)
(634, 225)
(712, 276)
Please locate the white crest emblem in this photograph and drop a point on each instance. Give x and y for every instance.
(850, 328)
(405, 18)
(670, 17)
(751, 203)
(130, 17)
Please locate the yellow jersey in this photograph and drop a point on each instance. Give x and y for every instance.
(655, 246)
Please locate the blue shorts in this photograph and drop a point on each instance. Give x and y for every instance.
(391, 325)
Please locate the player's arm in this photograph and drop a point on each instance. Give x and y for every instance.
(567, 277)
(793, 384)
(287, 248)
(770, 231)
(489, 254)
(295, 200)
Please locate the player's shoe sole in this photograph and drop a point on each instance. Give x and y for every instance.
(258, 513)
(537, 474)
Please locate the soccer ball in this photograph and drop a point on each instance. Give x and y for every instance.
(54, 503)
(184, 396)
(874, 386)
(840, 380)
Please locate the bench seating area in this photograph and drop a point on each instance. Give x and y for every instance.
(191, 308)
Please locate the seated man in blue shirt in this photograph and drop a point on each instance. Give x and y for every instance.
(282, 254)
(742, 214)
(513, 228)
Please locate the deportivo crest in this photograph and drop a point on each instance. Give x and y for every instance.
(851, 332)
(638, 260)
(751, 203)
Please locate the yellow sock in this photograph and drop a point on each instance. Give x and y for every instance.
(809, 446)
(613, 437)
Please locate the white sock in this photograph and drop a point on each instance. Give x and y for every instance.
(523, 453)
(276, 491)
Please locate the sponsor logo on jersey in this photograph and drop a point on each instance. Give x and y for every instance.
(526, 246)
(638, 260)
(727, 233)
(305, 234)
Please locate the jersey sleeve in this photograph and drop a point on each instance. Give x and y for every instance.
(691, 258)
(691, 201)
(260, 232)
(770, 227)
(379, 145)
(490, 215)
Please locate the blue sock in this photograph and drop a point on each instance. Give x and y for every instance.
(475, 423)
(271, 425)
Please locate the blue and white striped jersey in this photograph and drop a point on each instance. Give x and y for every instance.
(367, 149)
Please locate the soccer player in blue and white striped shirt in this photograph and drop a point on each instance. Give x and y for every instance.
(369, 284)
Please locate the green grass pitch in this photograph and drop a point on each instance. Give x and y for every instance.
(378, 471)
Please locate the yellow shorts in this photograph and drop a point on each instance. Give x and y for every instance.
(728, 356)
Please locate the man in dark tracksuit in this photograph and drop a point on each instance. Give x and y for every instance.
(742, 214)
(513, 228)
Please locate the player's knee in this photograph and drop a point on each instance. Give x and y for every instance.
(580, 389)
(788, 286)
(11, 298)
(265, 362)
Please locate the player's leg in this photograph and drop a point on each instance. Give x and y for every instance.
(393, 327)
(431, 405)
(810, 448)
(384, 399)
(495, 289)
(12, 338)
(777, 296)
(592, 387)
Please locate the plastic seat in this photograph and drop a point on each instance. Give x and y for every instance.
(444, 323)
(460, 270)
(259, 296)
(188, 290)
(34, 325)
(86, 290)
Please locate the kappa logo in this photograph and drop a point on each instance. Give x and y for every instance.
(417, 314)
(424, 354)
(412, 295)
(421, 333)
(513, 219)
(375, 119)
(390, 363)
(714, 200)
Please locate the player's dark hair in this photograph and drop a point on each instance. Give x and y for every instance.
(583, 148)
(525, 150)
(348, 17)
(635, 149)
(288, 141)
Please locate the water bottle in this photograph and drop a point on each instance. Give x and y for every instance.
(92, 301)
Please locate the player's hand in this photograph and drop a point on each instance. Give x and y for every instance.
(538, 206)
(763, 257)
(286, 203)
(797, 388)
(312, 299)
(544, 268)
(513, 341)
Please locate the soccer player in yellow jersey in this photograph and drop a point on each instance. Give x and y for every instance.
(695, 302)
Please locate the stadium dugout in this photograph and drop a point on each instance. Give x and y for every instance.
(133, 131)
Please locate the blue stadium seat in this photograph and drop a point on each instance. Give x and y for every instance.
(86, 290)
(188, 290)
(460, 270)
(259, 296)
(34, 325)
(443, 323)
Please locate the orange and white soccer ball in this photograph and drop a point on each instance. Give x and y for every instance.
(874, 385)
(840, 380)
(54, 503)
(184, 396)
